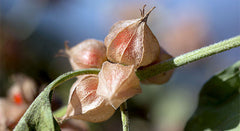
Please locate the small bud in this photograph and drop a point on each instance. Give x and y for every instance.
(162, 77)
(85, 104)
(90, 53)
(131, 42)
(117, 83)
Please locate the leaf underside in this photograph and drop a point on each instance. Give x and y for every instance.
(39, 115)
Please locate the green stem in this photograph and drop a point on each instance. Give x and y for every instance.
(147, 72)
(124, 114)
(71, 74)
(144, 73)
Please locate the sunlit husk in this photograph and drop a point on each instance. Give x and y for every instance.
(117, 83)
(117, 27)
(90, 53)
(131, 42)
(162, 77)
(85, 104)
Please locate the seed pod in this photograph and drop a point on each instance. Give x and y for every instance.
(162, 77)
(23, 90)
(90, 53)
(85, 104)
(131, 42)
(117, 83)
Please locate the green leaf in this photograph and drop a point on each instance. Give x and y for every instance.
(39, 115)
(219, 102)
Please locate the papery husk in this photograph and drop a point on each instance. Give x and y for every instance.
(162, 77)
(85, 104)
(90, 53)
(117, 83)
(131, 42)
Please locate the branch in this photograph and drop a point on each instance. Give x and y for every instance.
(147, 72)
(66, 76)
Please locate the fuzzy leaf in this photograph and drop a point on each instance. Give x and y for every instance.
(39, 115)
(219, 102)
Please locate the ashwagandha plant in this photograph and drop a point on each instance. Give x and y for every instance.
(108, 74)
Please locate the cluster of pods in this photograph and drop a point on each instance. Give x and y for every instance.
(129, 45)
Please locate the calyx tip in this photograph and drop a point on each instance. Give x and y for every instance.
(145, 16)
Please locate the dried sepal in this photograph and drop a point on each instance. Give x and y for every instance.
(162, 77)
(131, 42)
(117, 83)
(85, 104)
(90, 53)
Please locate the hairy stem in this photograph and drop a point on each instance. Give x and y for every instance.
(144, 73)
(124, 114)
(147, 72)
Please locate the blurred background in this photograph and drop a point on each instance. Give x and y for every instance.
(33, 31)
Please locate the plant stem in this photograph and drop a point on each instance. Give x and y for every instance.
(124, 114)
(71, 74)
(147, 72)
